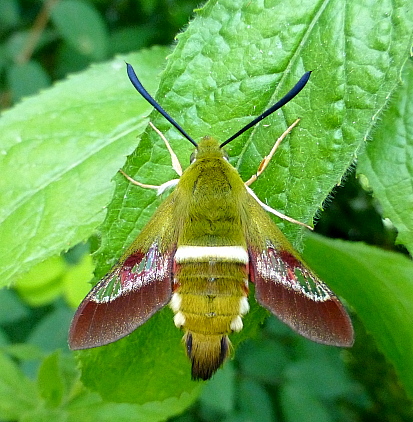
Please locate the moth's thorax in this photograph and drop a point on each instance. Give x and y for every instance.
(210, 173)
(213, 191)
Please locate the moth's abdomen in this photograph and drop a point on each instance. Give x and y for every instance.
(209, 300)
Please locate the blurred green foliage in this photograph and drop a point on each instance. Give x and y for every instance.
(276, 376)
(43, 41)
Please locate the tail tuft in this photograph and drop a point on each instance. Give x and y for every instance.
(207, 353)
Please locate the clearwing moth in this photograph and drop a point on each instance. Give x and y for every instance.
(205, 242)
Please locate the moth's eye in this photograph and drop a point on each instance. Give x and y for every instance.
(192, 158)
(225, 155)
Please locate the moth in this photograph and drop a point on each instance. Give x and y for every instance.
(209, 238)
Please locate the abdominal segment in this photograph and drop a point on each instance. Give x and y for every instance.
(209, 299)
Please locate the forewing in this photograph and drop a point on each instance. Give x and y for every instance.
(138, 286)
(289, 289)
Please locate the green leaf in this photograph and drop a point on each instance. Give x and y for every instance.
(255, 402)
(302, 406)
(154, 354)
(51, 332)
(76, 280)
(43, 283)
(26, 79)
(23, 351)
(58, 153)
(265, 53)
(17, 393)
(50, 381)
(90, 409)
(218, 396)
(388, 160)
(378, 285)
(9, 13)
(82, 27)
(60, 397)
(11, 307)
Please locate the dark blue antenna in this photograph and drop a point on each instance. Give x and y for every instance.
(284, 100)
(139, 87)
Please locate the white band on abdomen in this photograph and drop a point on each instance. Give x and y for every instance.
(211, 253)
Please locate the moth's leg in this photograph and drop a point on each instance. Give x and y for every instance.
(275, 212)
(261, 168)
(267, 159)
(159, 188)
(176, 165)
(135, 182)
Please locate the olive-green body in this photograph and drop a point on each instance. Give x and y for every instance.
(208, 212)
(214, 191)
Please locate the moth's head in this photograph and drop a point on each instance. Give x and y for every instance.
(208, 147)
